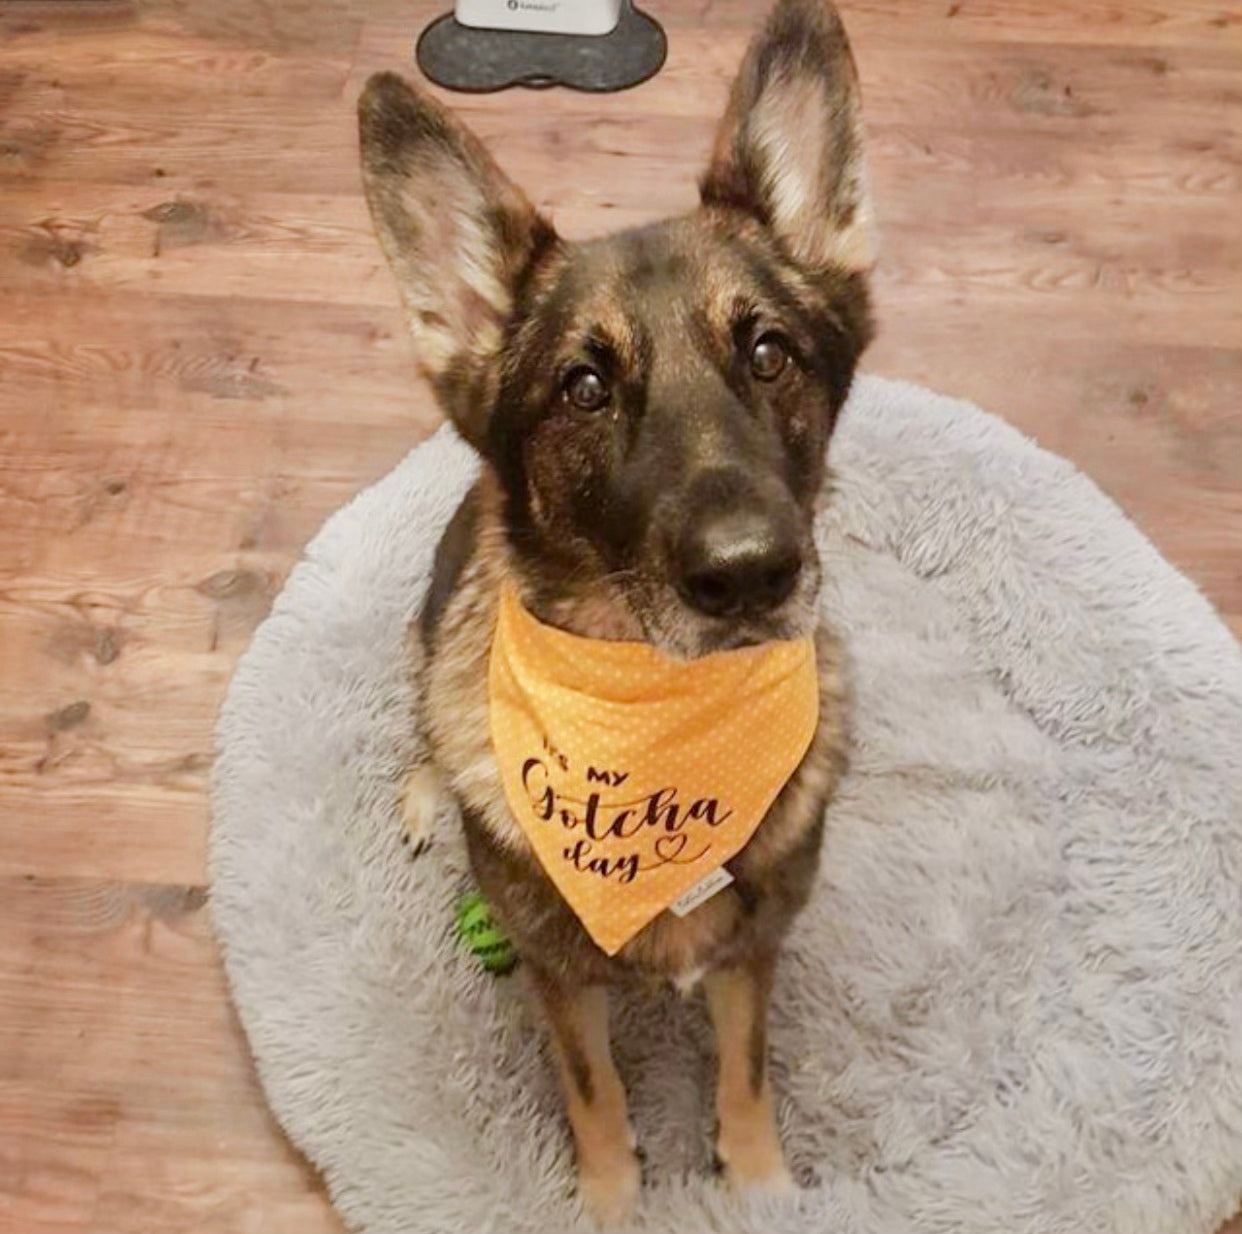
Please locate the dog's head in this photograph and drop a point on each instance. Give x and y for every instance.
(656, 404)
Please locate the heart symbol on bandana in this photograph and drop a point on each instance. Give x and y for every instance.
(669, 848)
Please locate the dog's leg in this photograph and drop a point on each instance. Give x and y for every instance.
(420, 800)
(608, 1169)
(748, 1144)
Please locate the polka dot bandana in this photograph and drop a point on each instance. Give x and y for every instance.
(633, 775)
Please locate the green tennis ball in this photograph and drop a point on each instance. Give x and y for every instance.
(478, 931)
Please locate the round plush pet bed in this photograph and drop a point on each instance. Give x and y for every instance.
(1015, 1002)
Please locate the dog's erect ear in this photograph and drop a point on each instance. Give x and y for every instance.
(789, 149)
(458, 235)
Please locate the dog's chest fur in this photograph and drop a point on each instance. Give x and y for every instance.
(772, 873)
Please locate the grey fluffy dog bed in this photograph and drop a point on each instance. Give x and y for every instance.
(1015, 1003)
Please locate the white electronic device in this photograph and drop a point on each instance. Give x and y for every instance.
(596, 45)
(591, 17)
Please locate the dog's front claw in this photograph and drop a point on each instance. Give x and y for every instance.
(610, 1191)
(420, 802)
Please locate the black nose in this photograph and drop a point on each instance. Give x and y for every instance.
(740, 563)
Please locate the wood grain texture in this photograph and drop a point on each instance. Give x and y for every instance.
(201, 356)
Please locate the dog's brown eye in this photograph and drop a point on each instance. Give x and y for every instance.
(586, 389)
(768, 356)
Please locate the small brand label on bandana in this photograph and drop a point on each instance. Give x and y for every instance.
(716, 881)
(633, 776)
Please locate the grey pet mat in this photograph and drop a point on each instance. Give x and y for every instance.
(1015, 1002)
(465, 58)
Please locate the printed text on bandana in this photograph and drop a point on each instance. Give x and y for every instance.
(613, 834)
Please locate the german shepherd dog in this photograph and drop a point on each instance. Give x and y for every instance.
(652, 410)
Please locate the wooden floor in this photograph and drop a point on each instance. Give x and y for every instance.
(201, 357)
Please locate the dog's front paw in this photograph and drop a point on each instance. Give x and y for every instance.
(610, 1189)
(750, 1155)
(420, 802)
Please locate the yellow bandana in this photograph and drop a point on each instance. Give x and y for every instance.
(634, 776)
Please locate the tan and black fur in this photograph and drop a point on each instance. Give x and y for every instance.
(677, 510)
